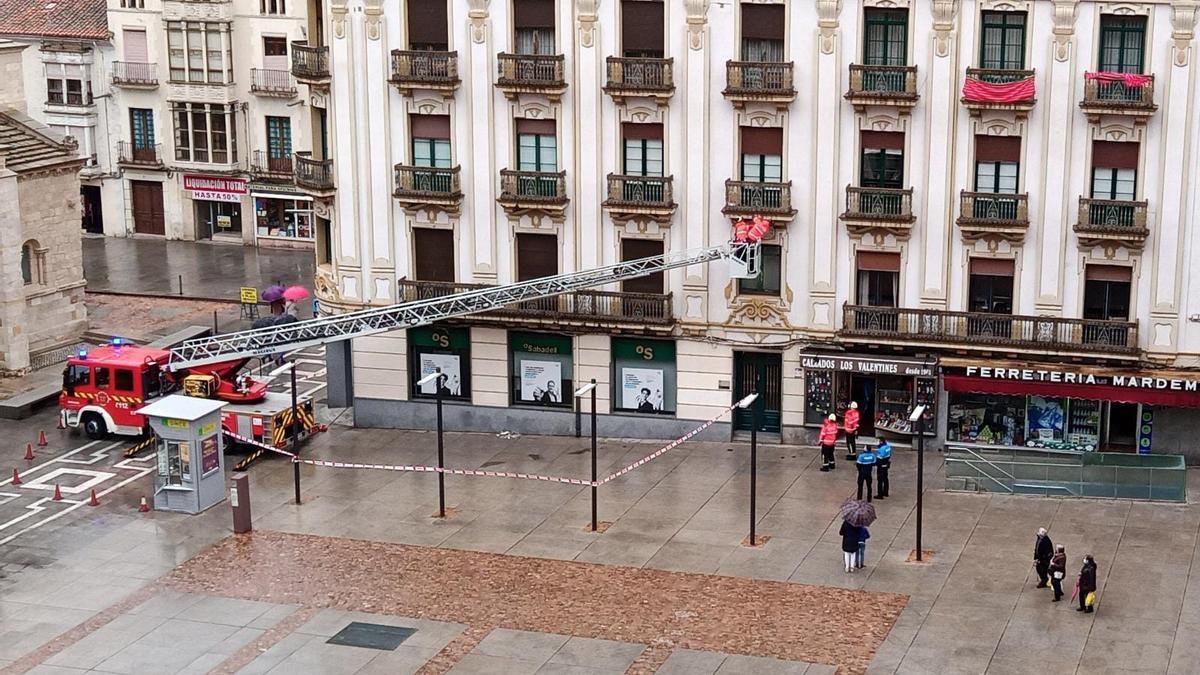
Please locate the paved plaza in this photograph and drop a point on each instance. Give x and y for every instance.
(512, 581)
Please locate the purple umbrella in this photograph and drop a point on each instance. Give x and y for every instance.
(272, 293)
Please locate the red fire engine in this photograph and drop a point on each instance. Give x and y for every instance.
(104, 388)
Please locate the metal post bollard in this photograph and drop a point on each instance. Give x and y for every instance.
(239, 499)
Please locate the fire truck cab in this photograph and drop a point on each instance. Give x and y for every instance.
(103, 388)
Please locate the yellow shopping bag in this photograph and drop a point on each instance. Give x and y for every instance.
(1090, 600)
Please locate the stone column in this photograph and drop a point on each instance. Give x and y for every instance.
(480, 227)
(941, 105)
(349, 133)
(589, 181)
(695, 183)
(1058, 209)
(826, 195)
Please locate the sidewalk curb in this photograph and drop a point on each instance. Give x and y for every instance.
(163, 296)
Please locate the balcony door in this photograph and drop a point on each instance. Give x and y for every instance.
(141, 134)
(643, 31)
(430, 148)
(877, 284)
(433, 255)
(643, 156)
(762, 162)
(1114, 183)
(997, 172)
(650, 305)
(990, 292)
(762, 42)
(1002, 44)
(537, 257)
(275, 57)
(1122, 43)
(1106, 294)
(428, 26)
(537, 152)
(279, 144)
(886, 38)
(534, 30)
(882, 164)
(135, 46)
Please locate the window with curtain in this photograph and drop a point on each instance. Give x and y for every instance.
(769, 279)
(1122, 43)
(886, 37)
(1106, 292)
(642, 28)
(68, 84)
(1002, 43)
(537, 152)
(199, 52)
(877, 288)
(882, 168)
(205, 133)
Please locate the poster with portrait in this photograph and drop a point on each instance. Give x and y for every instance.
(541, 381)
(449, 363)
(642, 389)
(1046, 417)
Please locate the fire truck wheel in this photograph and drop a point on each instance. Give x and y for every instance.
(94, 426)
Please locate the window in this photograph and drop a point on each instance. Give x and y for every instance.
(534, 22)
(275, 53)
(537, 257)
(124, 379)
(151, 382)
(644, 375)
(77, 376)
(768, 282)
(102, 378)
(279, 138)
(763, 33)
(68, 84)
(541, 368)
(762, 154)
(643, 151)
(537, 145)
(997, 164)
(431, 141)
(1106, 292)
(433, 254)
(635, 249)
(428, 25)
(882, 164)
(199, 52)
(1122, 43)
(27, 264)
(991, 286)
(1002, 46)
(1114, 170)
(205, 133)
(443, 348)
(33, 259)
(133, 4)
(878, 278)
(178, 467)
(642, 28)
(886, 42)
(272, 6)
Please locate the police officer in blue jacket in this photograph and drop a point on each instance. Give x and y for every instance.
(883, 462)
(865, 462)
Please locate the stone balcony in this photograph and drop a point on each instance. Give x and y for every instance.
(879, 209)
(1109, 222)
(1021, 105)
(423, 187)
(993, 215)
(130, 75)
(894, 86)
(645, 77)
(1104, 97)
(310, 64)
(427, 70)
(640, 197)
(531, 74)
(745, 199)
(759, 82)
(533, 191)
(272, 83)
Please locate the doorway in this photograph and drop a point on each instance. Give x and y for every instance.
(93, 212)
(862, 391)
(1122, 427)
(148, 215)
(763, 373)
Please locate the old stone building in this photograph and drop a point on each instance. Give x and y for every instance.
(41, 259)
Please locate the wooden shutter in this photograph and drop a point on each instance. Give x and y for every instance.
(527, 126)
(433, 251)
(136, 50)
(533, 13)
(642, 26)
(996, 267)
(537, 256)
(427, 24)
(762, 141)
(888, 140)
(430, 126)
(1108, 273)
(997, 148)
(632, 249)
(763, 22)
(631, 131)
(875, 261)
(1114, 155)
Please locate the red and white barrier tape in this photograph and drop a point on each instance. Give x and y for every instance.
(666, 448)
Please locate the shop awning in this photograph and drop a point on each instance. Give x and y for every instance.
(1101, 392)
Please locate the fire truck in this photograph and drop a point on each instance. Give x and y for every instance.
(104, 388)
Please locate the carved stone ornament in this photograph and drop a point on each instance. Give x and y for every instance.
(586, 14)
(1183, 29)
(1064, 28)
(697, 19)
(758, 312)
(944, 13)
(337, 18)
(827, 15)
(372, 18)
(478, 15)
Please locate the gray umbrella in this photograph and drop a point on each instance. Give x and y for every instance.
(857, 512)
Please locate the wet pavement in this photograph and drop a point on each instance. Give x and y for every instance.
(209, 270)
(514, 557)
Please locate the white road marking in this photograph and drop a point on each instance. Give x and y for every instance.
(45, 481)
(61, 458)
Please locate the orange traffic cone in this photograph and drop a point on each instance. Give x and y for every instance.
(42, 442)
(16, 478)
(143, 507)
(57, 493)
(93, 501)
(61, 423)
(29, 451)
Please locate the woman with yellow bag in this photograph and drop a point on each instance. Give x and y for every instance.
(1086, 586)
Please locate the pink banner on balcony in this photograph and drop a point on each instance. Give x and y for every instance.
(991, 92)
(1128, 79)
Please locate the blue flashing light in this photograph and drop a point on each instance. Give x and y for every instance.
(117, 342)
(83, 352)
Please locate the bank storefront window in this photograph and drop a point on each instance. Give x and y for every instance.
(643, 376)
(541, 369)
(444, 347)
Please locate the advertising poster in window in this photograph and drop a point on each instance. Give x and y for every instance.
(541, 381)
(450, 365)
(185, 460)
(210, 457)
(642, 389)
(1046, 418)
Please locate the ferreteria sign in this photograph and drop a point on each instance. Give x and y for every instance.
(867, 365)
(1066, 377)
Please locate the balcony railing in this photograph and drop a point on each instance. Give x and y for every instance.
(1116, 97)
(428, 69)
(269, 82)
(1112, 218)
(583, 306)
(542, 73)
(533, 187)
(313, 174)
(744, 197)
(984, 209)
(130, 74)
(879, 204)
(310, 62)
(883, 85)
(1027, 92)
(999, 75)
(989, 331)
(759, 79)
(266, 165)
(139, 154)
(645, 76)
(425, 183)
(640, 191)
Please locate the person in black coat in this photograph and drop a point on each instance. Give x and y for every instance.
(850, 535)
(1087, 583)
(1043, 551)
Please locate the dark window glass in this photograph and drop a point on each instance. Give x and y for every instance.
(1106, 299)
(102, 378)
(877, 288)
(1002, 45)
(768, 282)
(886, 37)
(1122, 43)
(124, 379)
(991, 294)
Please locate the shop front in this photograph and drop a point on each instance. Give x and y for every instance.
(885, 389)
(444, 348)
(542, 369)
(644, 376)
(1058, 408)
(216, 204)
(283, 219)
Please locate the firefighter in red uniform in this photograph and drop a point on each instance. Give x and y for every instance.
(851, 426)
(829, 433)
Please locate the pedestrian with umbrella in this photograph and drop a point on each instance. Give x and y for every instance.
(273, 294)
(856, 516)
(292, 295)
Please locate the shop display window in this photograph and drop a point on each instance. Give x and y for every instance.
(986, 418)
(645, 375)
(285, 218)
(1049, 422)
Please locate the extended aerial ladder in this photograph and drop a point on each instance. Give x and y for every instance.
(742, 254)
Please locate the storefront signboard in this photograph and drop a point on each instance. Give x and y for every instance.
(214, 188)
(1067, 377)
(867, 365)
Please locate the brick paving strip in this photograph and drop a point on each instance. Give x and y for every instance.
(664, 610)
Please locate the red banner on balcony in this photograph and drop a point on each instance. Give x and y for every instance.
(992, 92)
(1128, 79)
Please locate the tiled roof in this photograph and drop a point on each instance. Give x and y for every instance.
(27, 145)
(75, 19)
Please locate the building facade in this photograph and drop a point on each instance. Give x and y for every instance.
(187, 113)
(979, 206)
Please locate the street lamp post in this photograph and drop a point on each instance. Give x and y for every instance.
(437, 377)
(918, 417)
(743, 404)
(590, 388)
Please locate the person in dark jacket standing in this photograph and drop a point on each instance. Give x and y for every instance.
(1043, 551)
(883, 462)
(1087, 583)
(865, 463)
(1058, 570)
(849, 544)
